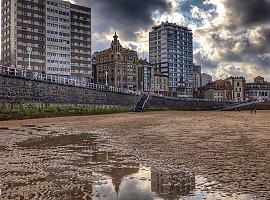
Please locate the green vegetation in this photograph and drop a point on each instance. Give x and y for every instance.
(40, 110)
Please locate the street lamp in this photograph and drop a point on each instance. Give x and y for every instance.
(29, 51)
(106, 76)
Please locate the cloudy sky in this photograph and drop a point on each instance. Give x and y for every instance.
(231, 37)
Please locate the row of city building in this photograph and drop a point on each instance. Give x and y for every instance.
(53, 37)
(235, 88)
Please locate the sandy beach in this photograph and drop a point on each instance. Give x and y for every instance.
(231, 150)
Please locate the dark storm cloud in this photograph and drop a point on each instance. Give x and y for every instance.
(127, 16)
(249, 12)
(250, 51)
(262, 43)
(221, 42)
(186, 7)
(262, 61)
(226, 41)
(243, 37)
(204, 61)
(132, 46)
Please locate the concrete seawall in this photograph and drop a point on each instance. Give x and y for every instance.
(20, 90)
(14, 89)
(164, 103)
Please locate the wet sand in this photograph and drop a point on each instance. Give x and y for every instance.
(230, 151)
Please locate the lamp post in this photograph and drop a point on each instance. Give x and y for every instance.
(106, 76)
(29, 51)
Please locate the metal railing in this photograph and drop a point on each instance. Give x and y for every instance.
(33, 75)
(193, 99)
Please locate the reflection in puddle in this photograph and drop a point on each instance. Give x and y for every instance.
(76, 167)
(74, 141)
(143, 183)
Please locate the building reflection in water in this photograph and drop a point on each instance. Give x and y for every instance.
(142, 183)
(115, 176)
(171, 184)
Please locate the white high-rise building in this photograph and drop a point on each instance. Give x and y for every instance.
(171, 50)
(58, 40)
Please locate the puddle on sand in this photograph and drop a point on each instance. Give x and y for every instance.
(75, 167)
(142, 183)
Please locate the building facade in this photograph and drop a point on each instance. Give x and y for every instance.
(117, 66)
(206, 78)
(48, 27)
(258, 90)
(161, 83)
(171, 50)
(197, 73)
(81, 43)
(23, 23)
(146, 76)
(58, 40)
(238, 88)
(218, 90)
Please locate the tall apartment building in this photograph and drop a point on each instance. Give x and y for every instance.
(81, 42)
(58, 32)
(171, 50)
(23, 23)
(58, 38)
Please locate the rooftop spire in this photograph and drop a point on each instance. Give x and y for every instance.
(115, 37)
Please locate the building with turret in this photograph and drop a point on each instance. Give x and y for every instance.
(117, 66)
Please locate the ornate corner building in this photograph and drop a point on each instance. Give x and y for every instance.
(118, 65)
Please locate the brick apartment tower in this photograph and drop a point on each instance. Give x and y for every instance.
(58, 32)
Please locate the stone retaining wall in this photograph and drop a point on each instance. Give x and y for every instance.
(19, 90)
(14, 89)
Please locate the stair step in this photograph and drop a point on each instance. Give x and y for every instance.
(141, 103)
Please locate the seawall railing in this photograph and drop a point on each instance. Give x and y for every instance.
(37, 76)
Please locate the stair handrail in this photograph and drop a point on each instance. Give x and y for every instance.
(148, 96)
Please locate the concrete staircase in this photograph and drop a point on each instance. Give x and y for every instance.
(140, 106)
(240, 105)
